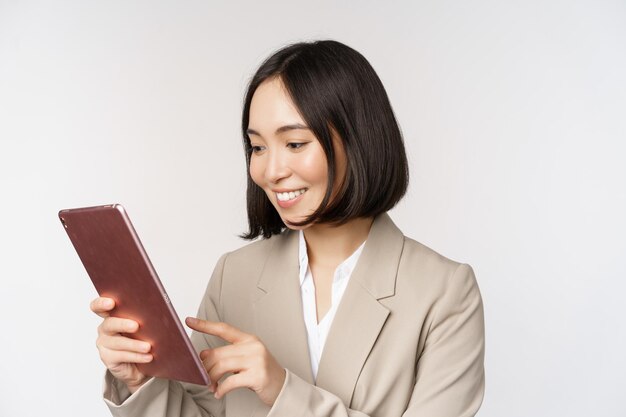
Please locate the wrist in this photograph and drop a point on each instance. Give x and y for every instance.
(134, 386)
(278, 388)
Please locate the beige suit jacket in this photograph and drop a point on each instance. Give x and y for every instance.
(407, 339)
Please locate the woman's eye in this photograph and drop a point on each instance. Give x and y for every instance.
(296, 145)
(256, 149)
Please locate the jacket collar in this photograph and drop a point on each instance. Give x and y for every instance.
(384, 238)
(359, 318)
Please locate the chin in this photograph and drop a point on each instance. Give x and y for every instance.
(288, 223)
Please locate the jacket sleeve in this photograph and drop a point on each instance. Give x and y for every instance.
(163, 397)
(450, 372)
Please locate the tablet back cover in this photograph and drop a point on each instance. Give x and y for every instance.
(119, 268)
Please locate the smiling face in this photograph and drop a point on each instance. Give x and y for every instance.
(287, 161)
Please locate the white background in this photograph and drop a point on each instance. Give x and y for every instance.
(514, 117)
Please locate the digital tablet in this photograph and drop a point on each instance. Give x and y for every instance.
(119, 268)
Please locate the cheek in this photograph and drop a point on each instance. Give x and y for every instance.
(314, 168)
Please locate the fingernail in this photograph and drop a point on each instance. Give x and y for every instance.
(191, 320)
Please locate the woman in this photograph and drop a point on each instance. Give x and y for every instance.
(326, 162)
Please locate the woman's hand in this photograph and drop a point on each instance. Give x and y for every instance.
(120, 353)
(251, 364)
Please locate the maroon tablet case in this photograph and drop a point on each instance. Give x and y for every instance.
(119, 268)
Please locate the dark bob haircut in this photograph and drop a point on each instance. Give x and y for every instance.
(336, 91)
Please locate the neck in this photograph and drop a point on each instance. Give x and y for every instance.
(330, 245)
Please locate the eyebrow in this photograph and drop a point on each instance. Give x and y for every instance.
(282, 129)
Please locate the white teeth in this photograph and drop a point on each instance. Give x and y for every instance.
(289, 195)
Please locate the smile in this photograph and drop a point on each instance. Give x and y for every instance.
(290, 195)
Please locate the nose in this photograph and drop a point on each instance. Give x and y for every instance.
(277, 167)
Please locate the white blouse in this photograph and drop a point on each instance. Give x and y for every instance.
(317, 332)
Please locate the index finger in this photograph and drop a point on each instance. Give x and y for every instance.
(220, 329)
(102, 305)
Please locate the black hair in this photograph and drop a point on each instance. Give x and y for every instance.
(336, 91)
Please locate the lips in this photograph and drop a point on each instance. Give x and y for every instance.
(287, 199)
(289, 195)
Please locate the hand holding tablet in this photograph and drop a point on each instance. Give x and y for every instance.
(141, 335)
(118, 352)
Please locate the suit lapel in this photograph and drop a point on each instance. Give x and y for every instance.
(278, 312)
(360, 317)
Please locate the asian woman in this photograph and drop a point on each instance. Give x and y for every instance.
(331, 311)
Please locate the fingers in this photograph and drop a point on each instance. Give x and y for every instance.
(112, 358)
(232, 365)
(102, 305)
(124, 343)
(249, 364)
(114, 325)
(222, 330)
(120, 354)
(233, 359)
(116, 350)
(232, 382)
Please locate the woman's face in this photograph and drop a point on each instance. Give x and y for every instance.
(287, 160)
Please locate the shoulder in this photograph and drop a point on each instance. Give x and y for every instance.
(416, 252)
(432, 274)
(261, 248)
(249, 260)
